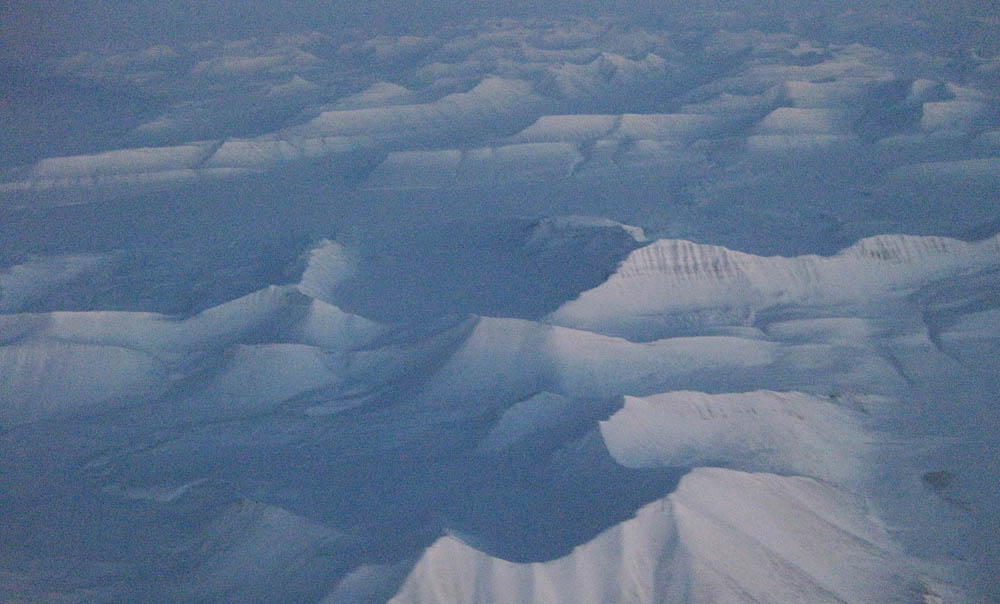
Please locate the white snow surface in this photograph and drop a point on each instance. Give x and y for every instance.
(532, 415)
(43, 381)
(651, 419)
(789, 120)
(327, 264)
(672, 277)
(466, 110)
(25, 283)
(256, 551)
(722, 536)
(788, 433)
(123, 161)
(806, 395)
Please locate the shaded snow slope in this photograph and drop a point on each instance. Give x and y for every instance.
(22, 284)
(254, 551)
(855, 137)
(722, 536)
(533, 444)
(45, 381)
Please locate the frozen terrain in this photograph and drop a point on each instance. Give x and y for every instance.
(570, 310)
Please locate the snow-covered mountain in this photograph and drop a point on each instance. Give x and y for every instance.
(515, 311)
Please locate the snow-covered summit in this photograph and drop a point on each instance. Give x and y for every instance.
(668, 278)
